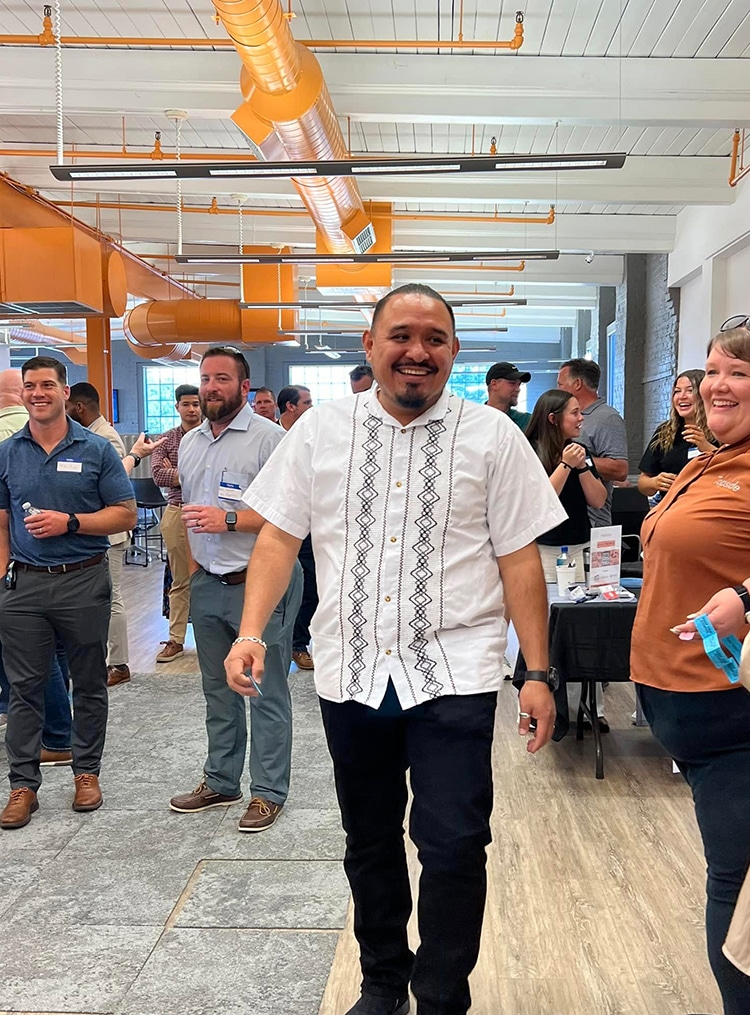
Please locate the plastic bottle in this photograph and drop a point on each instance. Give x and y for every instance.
(28, 510)
(563, 574)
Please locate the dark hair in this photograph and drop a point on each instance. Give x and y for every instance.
(265, 391)
(46, 363)
(545, 437)
(185, 391)
(363, 370)
(735, 343)
(289, 395)
(407, 290)
(84, 392)
(243, 367)
(585, 370)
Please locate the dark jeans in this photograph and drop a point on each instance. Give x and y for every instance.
(58, 719)
(73, 607)
(4, 687)
(708, 735)
(446, 743)
(309, 604)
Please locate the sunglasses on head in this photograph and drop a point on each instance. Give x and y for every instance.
(740, 321)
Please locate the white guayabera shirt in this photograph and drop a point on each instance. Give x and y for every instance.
(406, 524)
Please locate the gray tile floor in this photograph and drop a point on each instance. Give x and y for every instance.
(136, 910)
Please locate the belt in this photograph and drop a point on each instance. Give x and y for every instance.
(79, 565)
(232, 578)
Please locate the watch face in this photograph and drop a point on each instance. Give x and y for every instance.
(73, 524)
(231, 517)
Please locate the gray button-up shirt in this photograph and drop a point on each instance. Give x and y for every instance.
(216, 471)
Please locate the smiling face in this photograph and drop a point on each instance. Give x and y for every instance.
(411, 350)
(44, 395)
(683, 398)
(571, 420)
(725, 391)
(222, 393)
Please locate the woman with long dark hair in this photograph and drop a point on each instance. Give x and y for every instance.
(677, 440)
(553, 431)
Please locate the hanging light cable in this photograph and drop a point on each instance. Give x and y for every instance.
(58, 81)
(178, 116)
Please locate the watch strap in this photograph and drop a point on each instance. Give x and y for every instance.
(541, 675)
(744, 595)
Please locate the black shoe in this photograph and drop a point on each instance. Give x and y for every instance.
(374, 1004)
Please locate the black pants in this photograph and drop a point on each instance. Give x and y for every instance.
(75, 608)
(446, 744)
(309, 604)
(708, 735)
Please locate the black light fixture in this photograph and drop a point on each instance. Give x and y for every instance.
(450, 165)
(392, 257)
(370, 305)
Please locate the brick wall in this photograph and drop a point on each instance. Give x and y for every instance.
(646, 316)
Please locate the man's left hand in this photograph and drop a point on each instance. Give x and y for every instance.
(203, 519)
(46, 524)
(536, 702)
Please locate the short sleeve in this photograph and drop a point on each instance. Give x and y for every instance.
(608, 437)
(282, 491)
(521, 501)
(114, 482)
(651, 462)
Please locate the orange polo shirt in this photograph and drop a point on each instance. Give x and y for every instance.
(696, 541)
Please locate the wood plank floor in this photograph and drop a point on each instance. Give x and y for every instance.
(596, 889)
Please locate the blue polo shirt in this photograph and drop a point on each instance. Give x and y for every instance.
(82, 474)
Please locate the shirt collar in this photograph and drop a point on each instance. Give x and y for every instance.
(241, 421)
(372, 404)
(76, 432)
(594, 405)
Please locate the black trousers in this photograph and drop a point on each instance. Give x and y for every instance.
(708, 735)
(309, 604)
(75, 608)
(446, 745)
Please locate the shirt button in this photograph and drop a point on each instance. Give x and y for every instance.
(393, 539)
(403, 431)
(399, 484)
(387, 651)
(388, 599)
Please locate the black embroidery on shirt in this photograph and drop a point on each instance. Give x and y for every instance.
(363, 546)
(422, 572)
(347, 530)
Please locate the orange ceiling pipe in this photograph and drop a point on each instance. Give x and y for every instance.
(737, 169)
(285, 94)
(123, 154)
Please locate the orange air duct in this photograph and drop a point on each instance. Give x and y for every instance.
(285, 94)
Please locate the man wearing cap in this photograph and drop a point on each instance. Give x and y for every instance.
(504, 382)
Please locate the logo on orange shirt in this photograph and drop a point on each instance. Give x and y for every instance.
(728, 485)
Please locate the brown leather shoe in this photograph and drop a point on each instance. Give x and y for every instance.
(55, 757)
(21, 805)
(118, 675)
(88, 795)
(201, 799)
(171, 650)
(259, 816)
(303, 659)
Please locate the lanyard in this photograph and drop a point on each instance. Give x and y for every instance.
(712, 645)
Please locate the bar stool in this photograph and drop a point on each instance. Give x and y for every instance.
(151, 503)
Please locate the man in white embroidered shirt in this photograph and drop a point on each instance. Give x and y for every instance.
(423, 511)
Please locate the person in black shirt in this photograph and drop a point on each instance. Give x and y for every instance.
(553, 432)
(677, 440)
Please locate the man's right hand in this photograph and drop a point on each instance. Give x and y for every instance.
(247, 655)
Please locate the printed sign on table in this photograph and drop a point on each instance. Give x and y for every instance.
(606, 555)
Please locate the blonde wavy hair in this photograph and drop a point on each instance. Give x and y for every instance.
(667, 434)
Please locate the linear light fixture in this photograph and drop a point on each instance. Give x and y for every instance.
(392, 257)
(345, 167)
(351, 305)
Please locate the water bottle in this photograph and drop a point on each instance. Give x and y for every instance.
(563, 574)
(28, 510)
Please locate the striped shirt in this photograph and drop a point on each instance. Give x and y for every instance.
(164, 466)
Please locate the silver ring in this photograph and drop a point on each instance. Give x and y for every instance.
(524, 715)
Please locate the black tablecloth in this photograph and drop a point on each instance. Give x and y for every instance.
(587, 641)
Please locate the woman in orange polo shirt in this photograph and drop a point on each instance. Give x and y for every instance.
(697, 542)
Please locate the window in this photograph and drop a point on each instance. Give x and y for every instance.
(467, 381)
(159, 384)
(325, 382)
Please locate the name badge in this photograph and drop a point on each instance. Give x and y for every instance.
(693, 453)
(69, 466)
(230, 491)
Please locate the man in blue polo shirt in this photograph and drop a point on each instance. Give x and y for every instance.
(63, 490)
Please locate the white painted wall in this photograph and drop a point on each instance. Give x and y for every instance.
(738, 282)
(691, 353)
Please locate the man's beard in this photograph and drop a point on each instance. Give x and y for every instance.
(411, 400)
(215, 413)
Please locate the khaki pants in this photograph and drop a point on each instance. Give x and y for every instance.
(175, 539)
(117, 643)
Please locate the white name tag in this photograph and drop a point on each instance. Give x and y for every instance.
(230, 491)
(69, 466)
(693, 453)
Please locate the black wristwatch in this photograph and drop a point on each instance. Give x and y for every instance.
(231, 519)
(745, 597)
(549, 677)
(73, 523)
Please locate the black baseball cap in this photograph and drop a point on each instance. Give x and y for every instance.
(506, 372)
